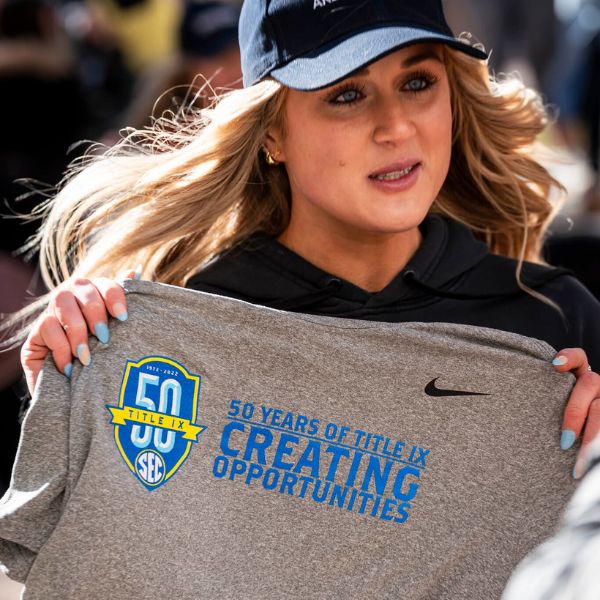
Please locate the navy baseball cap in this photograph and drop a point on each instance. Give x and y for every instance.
(311, 44)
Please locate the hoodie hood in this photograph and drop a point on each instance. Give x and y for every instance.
(263, 271)
(449, 264)
(451, 278)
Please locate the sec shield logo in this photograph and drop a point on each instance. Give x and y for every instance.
(155, 420)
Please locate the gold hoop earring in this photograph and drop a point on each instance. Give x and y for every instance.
(270, 158)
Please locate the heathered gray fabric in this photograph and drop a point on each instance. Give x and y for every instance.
(481, 479)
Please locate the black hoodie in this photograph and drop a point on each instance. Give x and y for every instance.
(452, 278)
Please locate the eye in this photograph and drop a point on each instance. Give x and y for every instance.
(346, 95)
(415, 85)
(419, 82)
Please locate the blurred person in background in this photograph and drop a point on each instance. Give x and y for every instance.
(566, 567)
(83, 58)
(67, 71)
(577, 92)
(102, 70)
(42, 96)
(207, 63)
(122, 45)
(146, 30)
(44, 111)
(521, 35)
(554, 45)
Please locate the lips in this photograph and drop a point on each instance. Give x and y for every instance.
(395, 171)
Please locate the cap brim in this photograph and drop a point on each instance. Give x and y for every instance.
(318, 70)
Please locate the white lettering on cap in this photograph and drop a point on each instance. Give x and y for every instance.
(322, 3)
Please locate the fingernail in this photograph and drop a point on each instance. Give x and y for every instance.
(567, 437)
(560, 360)
(138, 272)
(575, 476)
(83, 354)
(69, 370)
(120, 311)
(101, 331)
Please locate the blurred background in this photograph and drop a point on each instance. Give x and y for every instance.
(77, 71)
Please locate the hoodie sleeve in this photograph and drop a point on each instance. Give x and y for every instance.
(583, 313)
(32, 506)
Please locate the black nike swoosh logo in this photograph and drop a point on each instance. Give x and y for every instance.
(431, 390)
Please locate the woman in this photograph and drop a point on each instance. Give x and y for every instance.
(369, 169)
(464, 137)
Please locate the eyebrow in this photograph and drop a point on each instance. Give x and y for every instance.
(410, 61)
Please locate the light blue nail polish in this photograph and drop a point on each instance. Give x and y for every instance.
(123, 316)
(138, 272)
(567, 437)
(559, 361)
(101, 331)
(574, 472)
(83, 354)
(69, 370)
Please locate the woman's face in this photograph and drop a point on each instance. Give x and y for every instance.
(370, 154)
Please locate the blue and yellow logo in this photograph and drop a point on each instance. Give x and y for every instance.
(155, 420)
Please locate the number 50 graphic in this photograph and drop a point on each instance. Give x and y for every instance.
(164, 440)
(155, 420)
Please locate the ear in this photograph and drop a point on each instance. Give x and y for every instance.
(274, 144)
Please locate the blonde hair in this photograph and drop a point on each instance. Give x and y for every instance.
(173, 196)
(495, 186)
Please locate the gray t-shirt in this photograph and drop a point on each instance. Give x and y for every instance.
(217, 449)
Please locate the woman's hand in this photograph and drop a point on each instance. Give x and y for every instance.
(583, 407)
(75, 308)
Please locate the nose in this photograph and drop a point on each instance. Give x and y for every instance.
(393, 121)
